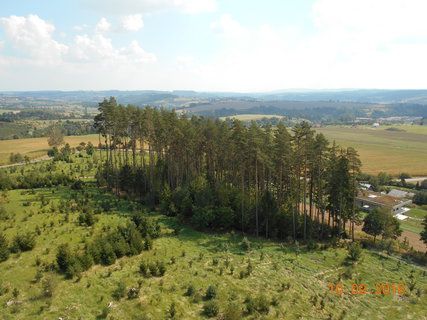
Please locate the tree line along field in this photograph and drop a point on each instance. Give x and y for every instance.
(37, 147)
(249, 278)
(382, 150)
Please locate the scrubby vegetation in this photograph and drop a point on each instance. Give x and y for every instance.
(90, 238)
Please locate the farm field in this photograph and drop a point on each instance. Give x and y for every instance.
(417, 213)
(382, 150)
(402, 127)
(36, 147)
(250, 117)
(6, 111)
(284, 281)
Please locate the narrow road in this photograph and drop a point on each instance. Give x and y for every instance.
(39, 159)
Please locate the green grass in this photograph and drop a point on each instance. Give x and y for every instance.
(309, 273)
(411, 225)
(382, 150)
(403, 127)
(417, 212)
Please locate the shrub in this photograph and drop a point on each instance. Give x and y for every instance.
(190, 290)
(87, 218)
(260, 304)
(246, 245)
(148, 243)
(48, 286)
(153, 269)
(4, 250)
(143, 268)
(105, 313)
(354, 251)
(172, 311)
(211, 308)
(249, 269)
(120, 291)
(250, 305)
(15, 292)
(233, 312)
(133, 293)
(162, 268)
(211, 292)
(23, 242)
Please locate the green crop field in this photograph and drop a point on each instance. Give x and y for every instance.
(36, 147)
(382, 150)
(417, 212)
(263, 280)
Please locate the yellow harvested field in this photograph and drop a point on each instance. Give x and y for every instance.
(383, 150)
(36, 147)
(249, 117)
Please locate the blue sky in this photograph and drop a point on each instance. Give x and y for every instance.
(212, 45)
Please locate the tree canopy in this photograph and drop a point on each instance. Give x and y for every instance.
(216, 174)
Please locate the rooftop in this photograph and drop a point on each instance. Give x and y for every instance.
(379, 198)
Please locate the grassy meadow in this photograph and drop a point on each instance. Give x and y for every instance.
(265, 280)
(382, 150)
(36, 147)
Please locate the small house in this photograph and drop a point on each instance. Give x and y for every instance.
(369, 200)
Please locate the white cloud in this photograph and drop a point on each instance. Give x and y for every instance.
(196, 6)
(125, 7)
(355, 44)
(103, 26)
(132, 22)
(185, 59)
(32, 36)
(229, 28)
(389, 19)
(135, 54)
(100, 49)
(80, 27)
(89, 61)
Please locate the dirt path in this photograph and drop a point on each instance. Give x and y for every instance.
(39, 159)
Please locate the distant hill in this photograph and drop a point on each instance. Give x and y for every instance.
(147, 96)
(308, 104)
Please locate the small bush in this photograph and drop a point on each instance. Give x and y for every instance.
(211, 292)
(190, 290)
(162, 268)
(172, 311)
(120, 291)
(211, 308)
(23, 242)
(246, 245)
(105, 313)
(260, 304)
(153, 269)
(233, 312)
(4, 250)
(354, 251)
